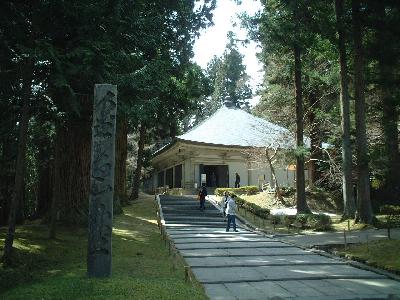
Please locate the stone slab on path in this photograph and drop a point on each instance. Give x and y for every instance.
(232, 274)
(250, 265)
(259, 260)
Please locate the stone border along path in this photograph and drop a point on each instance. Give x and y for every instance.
(250, 265)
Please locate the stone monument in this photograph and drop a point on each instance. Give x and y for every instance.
(102, 181)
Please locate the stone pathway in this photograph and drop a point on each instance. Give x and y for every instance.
(249, 265)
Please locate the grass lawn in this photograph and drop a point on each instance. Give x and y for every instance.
(383, 254)
(142, 268)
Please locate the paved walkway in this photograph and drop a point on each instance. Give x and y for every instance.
(249, 265)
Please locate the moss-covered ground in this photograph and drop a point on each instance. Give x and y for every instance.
(383, 254)
(56, 269)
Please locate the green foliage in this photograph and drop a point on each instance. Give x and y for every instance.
(255, 209)
(243, 190)
(228, 80)
(392, 213)
(309, 26)
(287, 191)
(302, 219)
(144, 47)
(391, 210)
(240, 202)
(276, 219)
(319, 222)
(382, 254)
(288, 220)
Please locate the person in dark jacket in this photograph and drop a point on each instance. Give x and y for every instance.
(202, 196)
(237, 180)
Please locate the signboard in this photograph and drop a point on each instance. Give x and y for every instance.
(203, 178)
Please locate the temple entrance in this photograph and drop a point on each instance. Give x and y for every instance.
(216, 175)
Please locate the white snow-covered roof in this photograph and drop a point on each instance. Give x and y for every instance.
(235, 127)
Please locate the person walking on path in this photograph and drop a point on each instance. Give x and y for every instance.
(237, 180)
(202, 196)
(231, 213)
(224, 203)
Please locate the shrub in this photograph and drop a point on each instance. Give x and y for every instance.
(319, 222)
(392, 213)
(253, 208)
(175, 192)
(240, 202)
(275, 219)
(288, 220)
(243, 190)
(302, 219)
(287, 191)
(390, 210)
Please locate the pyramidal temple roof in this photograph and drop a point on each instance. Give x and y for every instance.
(230, 126)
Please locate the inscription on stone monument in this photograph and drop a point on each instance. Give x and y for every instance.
(102, 180)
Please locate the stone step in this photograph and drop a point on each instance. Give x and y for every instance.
(203, 226)
(179, 205)
(221, 239)
(179, 202)
(237, 245)
(248, 261)
(286, 273)
(180, 235)
(239, 252)
(194, 218)
(191, 212)
(199, 223)
(172, 197)
(198, 213)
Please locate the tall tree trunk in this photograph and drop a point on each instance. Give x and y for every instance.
(45, 172)
(121, 152)
(390, 115)
(349, 205)
(7, 178)
(57, 180)
(315, 138)
(19, 174)
(302, 206)
(363, 188)
(74, 140)
(278, 193)
(138, 171)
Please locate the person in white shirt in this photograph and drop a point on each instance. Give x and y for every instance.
(224, 203)
(231, 213)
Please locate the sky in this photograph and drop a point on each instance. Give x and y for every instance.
(213, 40)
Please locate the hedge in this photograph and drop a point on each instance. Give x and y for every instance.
(392, 213)
(251, 207)
(318, 222)
(243, 190)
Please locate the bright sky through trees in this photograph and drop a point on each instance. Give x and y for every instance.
(214, 39)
